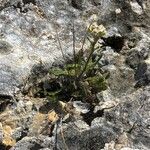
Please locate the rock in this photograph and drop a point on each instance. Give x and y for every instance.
(109, 57)
(105, 96)
(30, 39)
(1, 133)
(114, 39)
(19, 133)
(78, 4)
(105, 105)
(81, 107)
(29, 48)
(7, 139)
(113, 63)
(142, 74)
(5, 48)
(38, 124)
(123, 75)
(45, 149)
(28, 35)
(140, 52)
(109, 146)
(70, 135)
(133, 115)
(127, 148)
(80, 136)
(134, 58)
(8, 82)
(29, 143)
(136, 7)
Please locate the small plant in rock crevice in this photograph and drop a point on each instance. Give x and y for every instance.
(81, 78)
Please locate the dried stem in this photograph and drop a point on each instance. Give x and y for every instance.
(84, 38)
(60, 46)
(74, 49)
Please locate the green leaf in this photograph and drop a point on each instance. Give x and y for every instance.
(53, 93)
(53, 96)
(79, 57)
(90, 65)
(97, 83)
(58, 72)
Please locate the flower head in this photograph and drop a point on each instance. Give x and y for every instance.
(97, 30)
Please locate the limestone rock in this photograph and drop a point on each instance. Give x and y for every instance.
(29, 31)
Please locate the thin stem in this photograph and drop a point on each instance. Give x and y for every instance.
(74, 49)
(60, 46)
(89, 57)
(96, 62)
(84, 38)
(57, 36)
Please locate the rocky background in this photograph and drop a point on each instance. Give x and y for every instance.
(29, 48)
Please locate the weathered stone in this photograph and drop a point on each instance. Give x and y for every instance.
(34, 143)
(133, 115)
(121, 79)
(134, 58)
(1, 133)
(81, 107)
(33, 41)
(28, 49)
(79, 135)
(114, 39)
(142, 74)
(138, 53)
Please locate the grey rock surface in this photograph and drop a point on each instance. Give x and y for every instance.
(29, 48)
(142, 74)
(79, 136)
(1, 133)
(133, 115)
(28, 39)
(29, 143)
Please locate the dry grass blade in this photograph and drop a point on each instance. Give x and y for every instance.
(57, 37)
(85, 36)
(74, 46)
(59, 43)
